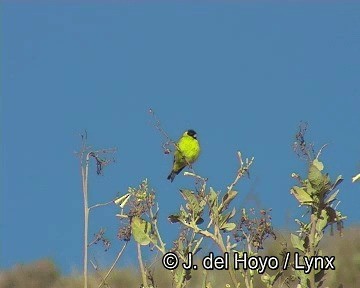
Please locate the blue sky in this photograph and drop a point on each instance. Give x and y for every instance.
(242, 75)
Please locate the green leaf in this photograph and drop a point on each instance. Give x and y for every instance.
(121, 201)
(193, 202)
(322, 221)
(228, 226)
(141, 231)
(297, 242)
(183, 213)
(356, 178)
(332, 197)
(232, 214)
(212, 197)
(315, 176)
(302, 196)
(228, 197)
(224, 218)
(202, 204)
(338, 180)
(319, 165)
(326, 182)
(213, 204)
(309, 189)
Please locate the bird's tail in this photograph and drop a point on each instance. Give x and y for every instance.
(171, 176)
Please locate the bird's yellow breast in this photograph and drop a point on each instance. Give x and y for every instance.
(189, 148)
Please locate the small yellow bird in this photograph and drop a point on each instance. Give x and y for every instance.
(187, 152)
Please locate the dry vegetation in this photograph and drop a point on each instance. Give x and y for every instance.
(45, 274)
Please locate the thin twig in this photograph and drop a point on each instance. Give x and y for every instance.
(101, 204)
(202, 179)
(241, 171)
(319, 153)
(96, 268)
(113, 265)
(157, 125)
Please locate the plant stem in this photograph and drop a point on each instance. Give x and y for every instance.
(220, 243)
(161, 248)
(142, 269)
(84, 173)
(312, 247)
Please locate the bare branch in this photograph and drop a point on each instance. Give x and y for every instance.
(244, 169)
(319, 153)
(113, 265)
(101, 204)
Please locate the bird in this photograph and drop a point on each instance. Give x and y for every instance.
(187, 152)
